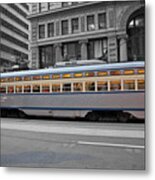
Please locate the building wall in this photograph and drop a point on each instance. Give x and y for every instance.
(14, 30)
(117, 15)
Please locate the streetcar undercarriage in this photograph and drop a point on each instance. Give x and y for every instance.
(98, 116)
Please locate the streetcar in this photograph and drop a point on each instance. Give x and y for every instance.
(93, 90)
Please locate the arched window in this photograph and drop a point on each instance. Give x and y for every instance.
(136, 36)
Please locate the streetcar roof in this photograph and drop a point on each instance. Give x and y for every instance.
(62, 70)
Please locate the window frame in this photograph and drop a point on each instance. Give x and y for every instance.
(50, 29)
(129, 89)
(41, 32)
(90, 88)
(65, 27)
(80, 88)
(100, 22)
(75, 26)
(118, 86)
(67, 90)
(91, 22)
(103, 88)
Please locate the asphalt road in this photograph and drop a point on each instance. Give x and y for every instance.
(69, 144)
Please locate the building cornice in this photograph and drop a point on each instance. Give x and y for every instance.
(58, 10)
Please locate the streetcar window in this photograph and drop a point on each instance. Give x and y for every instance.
(46, 77)
(66, 87)
(36, 77)
(115, 72)
(90, 86)
(115, 85)
(66, 75)
(3, 80)
(18, 89)
(89, 74)
(11, 89)
(102, 86)
(78, 75)
(141, 71)
(102, 73)
(36, 88)
(56, 76)
(128, 72)
(129, 84)
(10, 79)
(2, 89)
(27, 78)
(55, 87)
(141, 84)
(45, 88)
(27, 88)
(78, 86)
(18, 78)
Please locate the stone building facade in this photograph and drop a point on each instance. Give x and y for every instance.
(112, 31)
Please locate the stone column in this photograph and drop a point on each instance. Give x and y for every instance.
(84, 53)
(123, 48)
(58, 52)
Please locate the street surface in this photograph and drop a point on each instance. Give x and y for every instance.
(72, 144)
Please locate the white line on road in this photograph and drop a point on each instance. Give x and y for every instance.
(111, 144)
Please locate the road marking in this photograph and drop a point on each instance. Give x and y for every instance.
(111, 145)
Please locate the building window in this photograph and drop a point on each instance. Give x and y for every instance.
(14, 40)
(102, 21)
(64, 26)
(13, 17)
(75, 3)
(98, 49)
(42, 7)
(25, 5)
(75, 25)
(54, 5)
(18, 10)
(136, 36)
(65, 4)
(90, 23)
(14, 29)
(71, 50)
(46, 56)
(41, 31)
(50, 28)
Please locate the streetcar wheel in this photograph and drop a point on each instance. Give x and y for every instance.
(21, 114)
(92, 116)
(123, 117)
(3, 113)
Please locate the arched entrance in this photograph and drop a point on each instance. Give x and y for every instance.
(136, 36)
